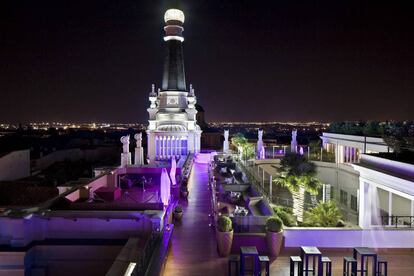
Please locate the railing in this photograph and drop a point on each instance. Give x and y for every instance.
(398, 221)
(287, 202)
(147, 251)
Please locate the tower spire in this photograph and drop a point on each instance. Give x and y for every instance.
(174, 75)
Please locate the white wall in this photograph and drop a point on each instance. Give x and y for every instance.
(15, 165)
(340, 177)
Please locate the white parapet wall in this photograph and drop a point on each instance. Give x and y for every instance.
(349, 238)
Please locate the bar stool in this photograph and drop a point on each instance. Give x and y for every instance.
(264, 260)
(382, 268)
(234, 259)
(350, 261)
(295, 261)
(327, 265)
(248, 252)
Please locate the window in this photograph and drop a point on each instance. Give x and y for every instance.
(343, 197)
(354, 203)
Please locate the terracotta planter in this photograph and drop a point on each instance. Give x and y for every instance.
(274, 242)
(177, 215)
(224, 242)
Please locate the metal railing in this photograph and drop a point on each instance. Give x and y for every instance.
(398, 221)
(149, 248)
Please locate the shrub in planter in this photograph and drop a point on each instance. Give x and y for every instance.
(286, 215)
(224, 235)
(274, 235)
(178, 212)
(324, 214)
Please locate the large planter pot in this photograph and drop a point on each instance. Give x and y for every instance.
(224, 242)
(177, 215)
(274, 242)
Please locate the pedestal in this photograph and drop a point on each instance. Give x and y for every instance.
(139, 156)
(125, 159)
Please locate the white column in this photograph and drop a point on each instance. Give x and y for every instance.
(364, 204)
(270, 187)
(151, 146)
(164, 146)
(389, 207)
(174, 146)
(412, 208)
(346, 154)
(263, 177)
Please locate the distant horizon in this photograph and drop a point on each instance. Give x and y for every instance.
(210, 122)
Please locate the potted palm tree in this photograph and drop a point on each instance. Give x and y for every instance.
(178, 212)
(224, 235)
(298, 175)
(274, 235)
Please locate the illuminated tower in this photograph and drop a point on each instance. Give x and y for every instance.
(173, 129)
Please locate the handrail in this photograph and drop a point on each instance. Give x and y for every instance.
(398, 221)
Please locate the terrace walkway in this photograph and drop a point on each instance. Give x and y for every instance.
(193, 248)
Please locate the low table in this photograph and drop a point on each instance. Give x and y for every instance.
(365, 253)
(314, 253)
(248, 251)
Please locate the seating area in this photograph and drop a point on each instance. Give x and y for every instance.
(364, 262)
(237, 198)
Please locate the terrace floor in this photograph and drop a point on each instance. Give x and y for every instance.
(193, 248)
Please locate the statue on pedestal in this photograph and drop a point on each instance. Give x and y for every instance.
(125, 155)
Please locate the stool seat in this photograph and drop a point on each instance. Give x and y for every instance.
(264, 259)
(349, 259)
(326, 260)
(295, 258)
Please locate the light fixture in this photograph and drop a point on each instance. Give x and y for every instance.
(174, 14)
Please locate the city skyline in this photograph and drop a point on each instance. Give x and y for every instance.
(308, 62)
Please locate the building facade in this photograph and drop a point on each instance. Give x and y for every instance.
(173, 130)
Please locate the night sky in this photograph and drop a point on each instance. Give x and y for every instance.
(83, 61)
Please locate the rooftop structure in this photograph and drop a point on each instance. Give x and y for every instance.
(173, 130)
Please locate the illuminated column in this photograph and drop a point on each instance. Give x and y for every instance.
(164, 142)
(294, 143)
(168, 147)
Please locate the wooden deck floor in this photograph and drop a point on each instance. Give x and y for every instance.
(193, 248)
